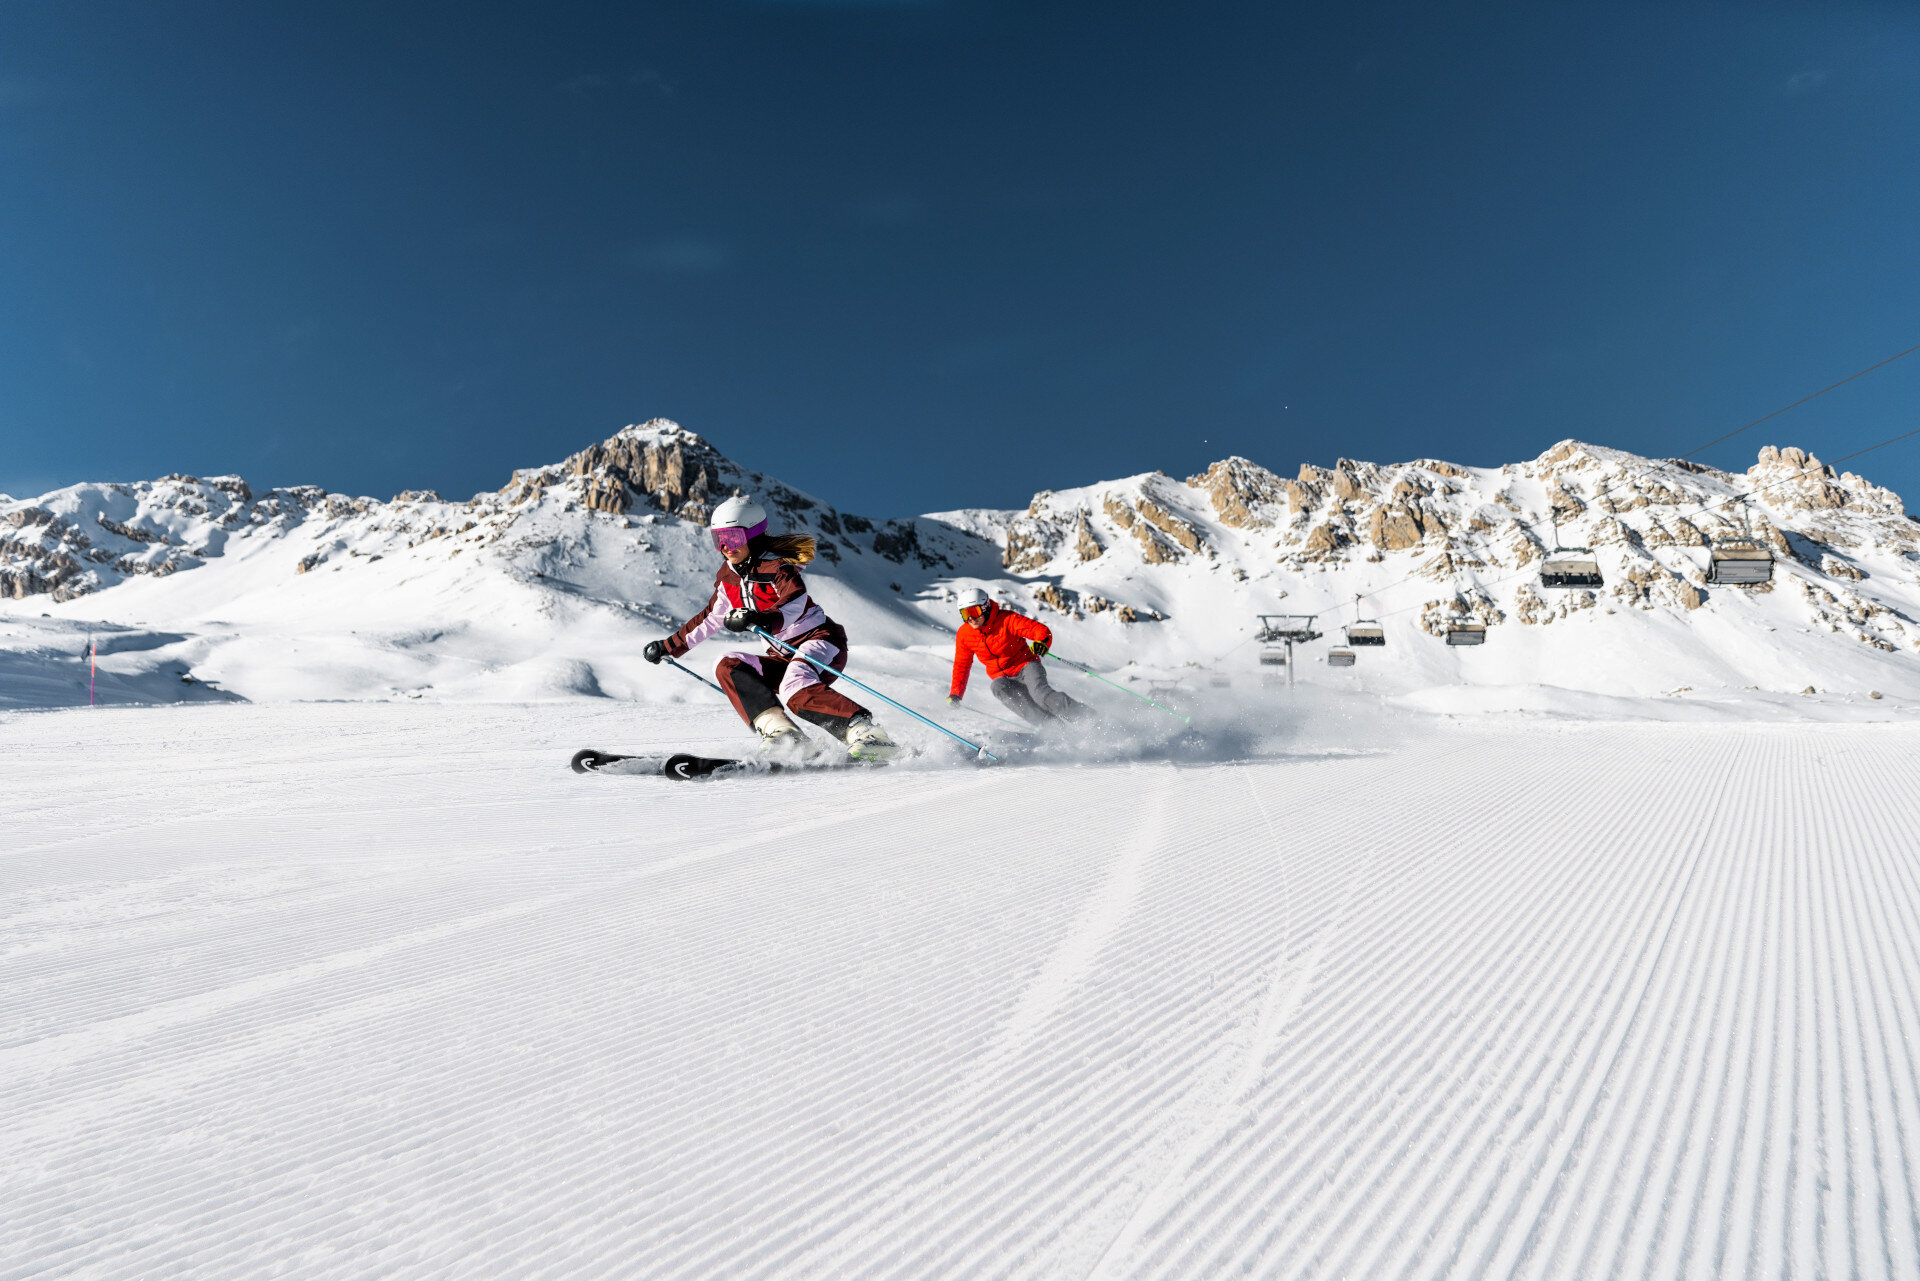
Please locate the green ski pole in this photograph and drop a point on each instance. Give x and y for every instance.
(1088, 671)
(990, 716)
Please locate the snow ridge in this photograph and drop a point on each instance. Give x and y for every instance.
(547, 588)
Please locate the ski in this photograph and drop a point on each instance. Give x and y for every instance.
(680, 765)
(686, 767)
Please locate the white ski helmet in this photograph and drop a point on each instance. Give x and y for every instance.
(975, 604)
(740, 512)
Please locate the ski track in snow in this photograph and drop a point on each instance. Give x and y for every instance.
(1509, 999)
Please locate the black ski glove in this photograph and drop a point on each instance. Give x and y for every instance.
(740, 620)
(1039, 648)
(654, 652)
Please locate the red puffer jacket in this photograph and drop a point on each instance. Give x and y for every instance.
(1002, 643)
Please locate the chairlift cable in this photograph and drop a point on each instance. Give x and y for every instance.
(1401, 582)
(1796, 404)
(1495, 582)
(1795, 475)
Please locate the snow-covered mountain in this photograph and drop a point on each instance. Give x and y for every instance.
(549, 586)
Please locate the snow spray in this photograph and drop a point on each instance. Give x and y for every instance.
(1088, 671)
(781, 646)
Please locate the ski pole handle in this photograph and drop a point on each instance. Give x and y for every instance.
(781, 645)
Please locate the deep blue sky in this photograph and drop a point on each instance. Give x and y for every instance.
(911, 256)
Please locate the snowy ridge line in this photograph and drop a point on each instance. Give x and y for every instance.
(67, 1048)
(1070, 1045)
(548, 589)
(1356, 1039)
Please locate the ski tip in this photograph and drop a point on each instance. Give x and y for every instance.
(586, 760)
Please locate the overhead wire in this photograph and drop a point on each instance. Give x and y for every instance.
(1699, 511)
(1409, 577)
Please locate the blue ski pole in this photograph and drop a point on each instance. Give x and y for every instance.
(697, 676)
(1088, 671)
(826, 670)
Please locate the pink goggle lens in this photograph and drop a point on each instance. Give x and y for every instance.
(731, 539)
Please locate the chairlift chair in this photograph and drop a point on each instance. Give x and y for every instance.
(1273, 658)
(1460, 631)
(1364, 631)
(1569, 566)
(1339, 658)
(1738, 560)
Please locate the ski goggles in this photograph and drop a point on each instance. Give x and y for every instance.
(733, 538)
(974, 613)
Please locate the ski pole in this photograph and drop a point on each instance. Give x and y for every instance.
(1088, 671)
(777, 643)
(990, 716)
(697, 676)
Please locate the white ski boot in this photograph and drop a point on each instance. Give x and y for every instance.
(781, 741)
(868, 742)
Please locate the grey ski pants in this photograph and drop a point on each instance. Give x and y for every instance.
(1027, 694)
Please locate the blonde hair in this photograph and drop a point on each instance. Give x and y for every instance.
(797, 548)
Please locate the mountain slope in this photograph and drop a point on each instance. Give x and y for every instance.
(549, 586)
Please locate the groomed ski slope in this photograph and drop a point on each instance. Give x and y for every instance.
(355, 991)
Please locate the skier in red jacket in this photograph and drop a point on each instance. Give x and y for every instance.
(1010, 646)
(758, 584)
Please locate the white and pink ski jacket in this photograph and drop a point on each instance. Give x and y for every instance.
(775, 584)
